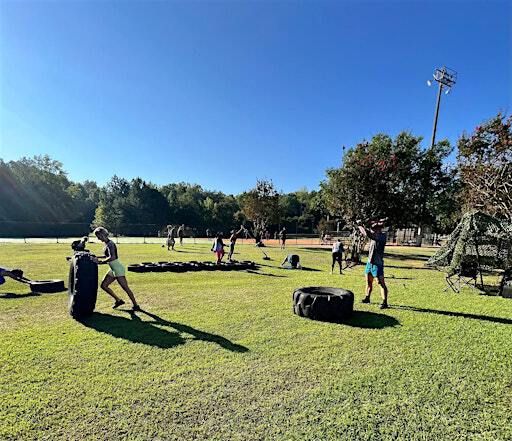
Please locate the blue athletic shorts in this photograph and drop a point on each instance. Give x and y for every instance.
(2, 280)
(374, 270)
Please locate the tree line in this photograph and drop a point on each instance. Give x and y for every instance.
(387, 177)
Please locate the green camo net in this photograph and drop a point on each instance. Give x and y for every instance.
(478, 237)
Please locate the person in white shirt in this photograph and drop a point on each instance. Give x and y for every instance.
(337, 254)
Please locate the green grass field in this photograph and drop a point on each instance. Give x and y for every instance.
(220, 356)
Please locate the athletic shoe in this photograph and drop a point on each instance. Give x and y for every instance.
(366, 300)
(384, 306)
(118, 303)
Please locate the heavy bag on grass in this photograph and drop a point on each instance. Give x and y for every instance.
(322, 303)
(83, 285)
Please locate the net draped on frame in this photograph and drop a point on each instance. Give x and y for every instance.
(478, 237)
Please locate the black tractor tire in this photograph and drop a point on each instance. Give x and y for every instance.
(47, 286)
(83, 285)
(150, 267)
(323, 303)
(136, 268)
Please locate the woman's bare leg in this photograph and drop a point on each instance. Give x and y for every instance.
(105, 286)
(124, 284)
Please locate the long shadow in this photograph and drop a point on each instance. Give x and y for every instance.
(318, 249)
(371, 320)
(11, 295)
(304, 268)
(389, 255)
(263, 274)
(487, 318)
(151, 333)
(409, 267)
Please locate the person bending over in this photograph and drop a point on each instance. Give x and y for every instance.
(375, 266)
(15, 274)
(218, 248)
(232, 241)
(293, 260)
(116, 272)
(337, 254)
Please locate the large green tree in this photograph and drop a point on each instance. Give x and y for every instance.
(134, 207)
(393, 178)
(485, 165)
(260, 205)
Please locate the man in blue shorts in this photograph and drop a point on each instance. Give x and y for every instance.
(375, 266)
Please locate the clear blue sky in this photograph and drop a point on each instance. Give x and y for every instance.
(221, 93)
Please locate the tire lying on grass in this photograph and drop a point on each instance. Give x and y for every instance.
(136, 268)
(323, 303)
(83, 285)
(47, 286)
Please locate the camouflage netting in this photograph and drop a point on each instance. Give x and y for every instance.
(478, 237)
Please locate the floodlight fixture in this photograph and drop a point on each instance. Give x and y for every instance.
(446, 78)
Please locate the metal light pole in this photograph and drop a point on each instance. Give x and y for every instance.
(446, 78)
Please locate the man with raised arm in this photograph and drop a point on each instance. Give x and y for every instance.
(375, 266)
(232, 241)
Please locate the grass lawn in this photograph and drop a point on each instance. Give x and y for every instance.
(220, 356)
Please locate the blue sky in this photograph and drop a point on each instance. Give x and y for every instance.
(221, 93)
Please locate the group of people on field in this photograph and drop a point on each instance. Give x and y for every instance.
(374, 268)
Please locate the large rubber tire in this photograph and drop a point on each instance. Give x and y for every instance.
(135, 268)
(83, 285)
(323, 303)
(47, 286)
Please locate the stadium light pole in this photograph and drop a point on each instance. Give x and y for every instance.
(446, 79)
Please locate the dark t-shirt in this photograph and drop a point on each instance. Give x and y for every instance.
(111, 250)
(376, 249)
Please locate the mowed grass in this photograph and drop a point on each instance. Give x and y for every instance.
(220, 356)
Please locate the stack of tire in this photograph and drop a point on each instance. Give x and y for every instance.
(181, 267)
(323, 303)
(83, 284)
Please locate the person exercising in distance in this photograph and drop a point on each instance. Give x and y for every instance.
(375, 265)
(171, 235)
(15, 274)
(282, 236)
(337, 254)
(232, 241)
(181, 233)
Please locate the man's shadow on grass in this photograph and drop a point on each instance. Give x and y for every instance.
(487, 318)
(370, 320)
(158, 332)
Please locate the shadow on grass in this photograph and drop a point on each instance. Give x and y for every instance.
(304, 268)
(371, 320)
(487, 318)
(153, 333)
(11, 295)
(318, 249)
(399, 278)
(398, 256)
(409, 267)
(263, 274)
